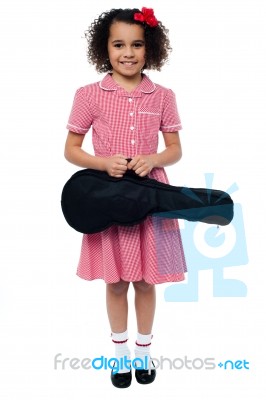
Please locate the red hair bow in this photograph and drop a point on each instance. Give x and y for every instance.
(146, 15)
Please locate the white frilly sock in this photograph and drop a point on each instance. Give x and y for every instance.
(142, 351)
(121, 351)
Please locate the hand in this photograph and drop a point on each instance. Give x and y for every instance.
(116, 165)
(141, 164)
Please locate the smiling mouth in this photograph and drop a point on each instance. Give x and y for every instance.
(129, 63)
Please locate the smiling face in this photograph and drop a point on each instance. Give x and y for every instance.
(126, 50)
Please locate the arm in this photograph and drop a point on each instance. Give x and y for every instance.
(114, 165)
(143, 164)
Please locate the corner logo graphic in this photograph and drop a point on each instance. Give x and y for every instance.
(208, 247)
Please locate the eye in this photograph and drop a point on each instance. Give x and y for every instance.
(138, 44)
(118, 45)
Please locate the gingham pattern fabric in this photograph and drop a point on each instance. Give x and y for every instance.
(128, 123)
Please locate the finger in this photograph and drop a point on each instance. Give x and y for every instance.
(138, 171)
(122, 161)
(120, 173)
(116, 174)
(144, 173)
(131, 164)
(137, 165)
(134, 162)
(121, 157)
(121, 167)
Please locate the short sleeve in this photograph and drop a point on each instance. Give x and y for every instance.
(80, 118)
(170, 121)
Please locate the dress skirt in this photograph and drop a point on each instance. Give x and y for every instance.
(151, 251)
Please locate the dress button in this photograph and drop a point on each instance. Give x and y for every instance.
(132, 141)
(131, 114)
(130, 99)
(132, 128)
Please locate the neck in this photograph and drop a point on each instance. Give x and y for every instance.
(129, 84)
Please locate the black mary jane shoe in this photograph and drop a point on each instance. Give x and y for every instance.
(145, 376)
(121, 381)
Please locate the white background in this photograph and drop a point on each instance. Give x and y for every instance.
(217, 70)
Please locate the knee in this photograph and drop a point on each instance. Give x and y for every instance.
(142, 286)
(118, 288)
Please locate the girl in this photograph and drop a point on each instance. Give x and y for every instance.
(126, 110)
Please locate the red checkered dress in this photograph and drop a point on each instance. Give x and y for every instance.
(128, 123)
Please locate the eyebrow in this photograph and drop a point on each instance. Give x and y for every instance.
(134, 41)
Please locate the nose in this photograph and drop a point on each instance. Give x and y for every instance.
(129, 53)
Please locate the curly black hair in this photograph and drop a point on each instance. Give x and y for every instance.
(157, 44)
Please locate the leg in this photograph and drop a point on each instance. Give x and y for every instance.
(117, 306)
(117, 310)
(145, 301)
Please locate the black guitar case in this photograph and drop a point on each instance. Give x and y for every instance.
(93, 201)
